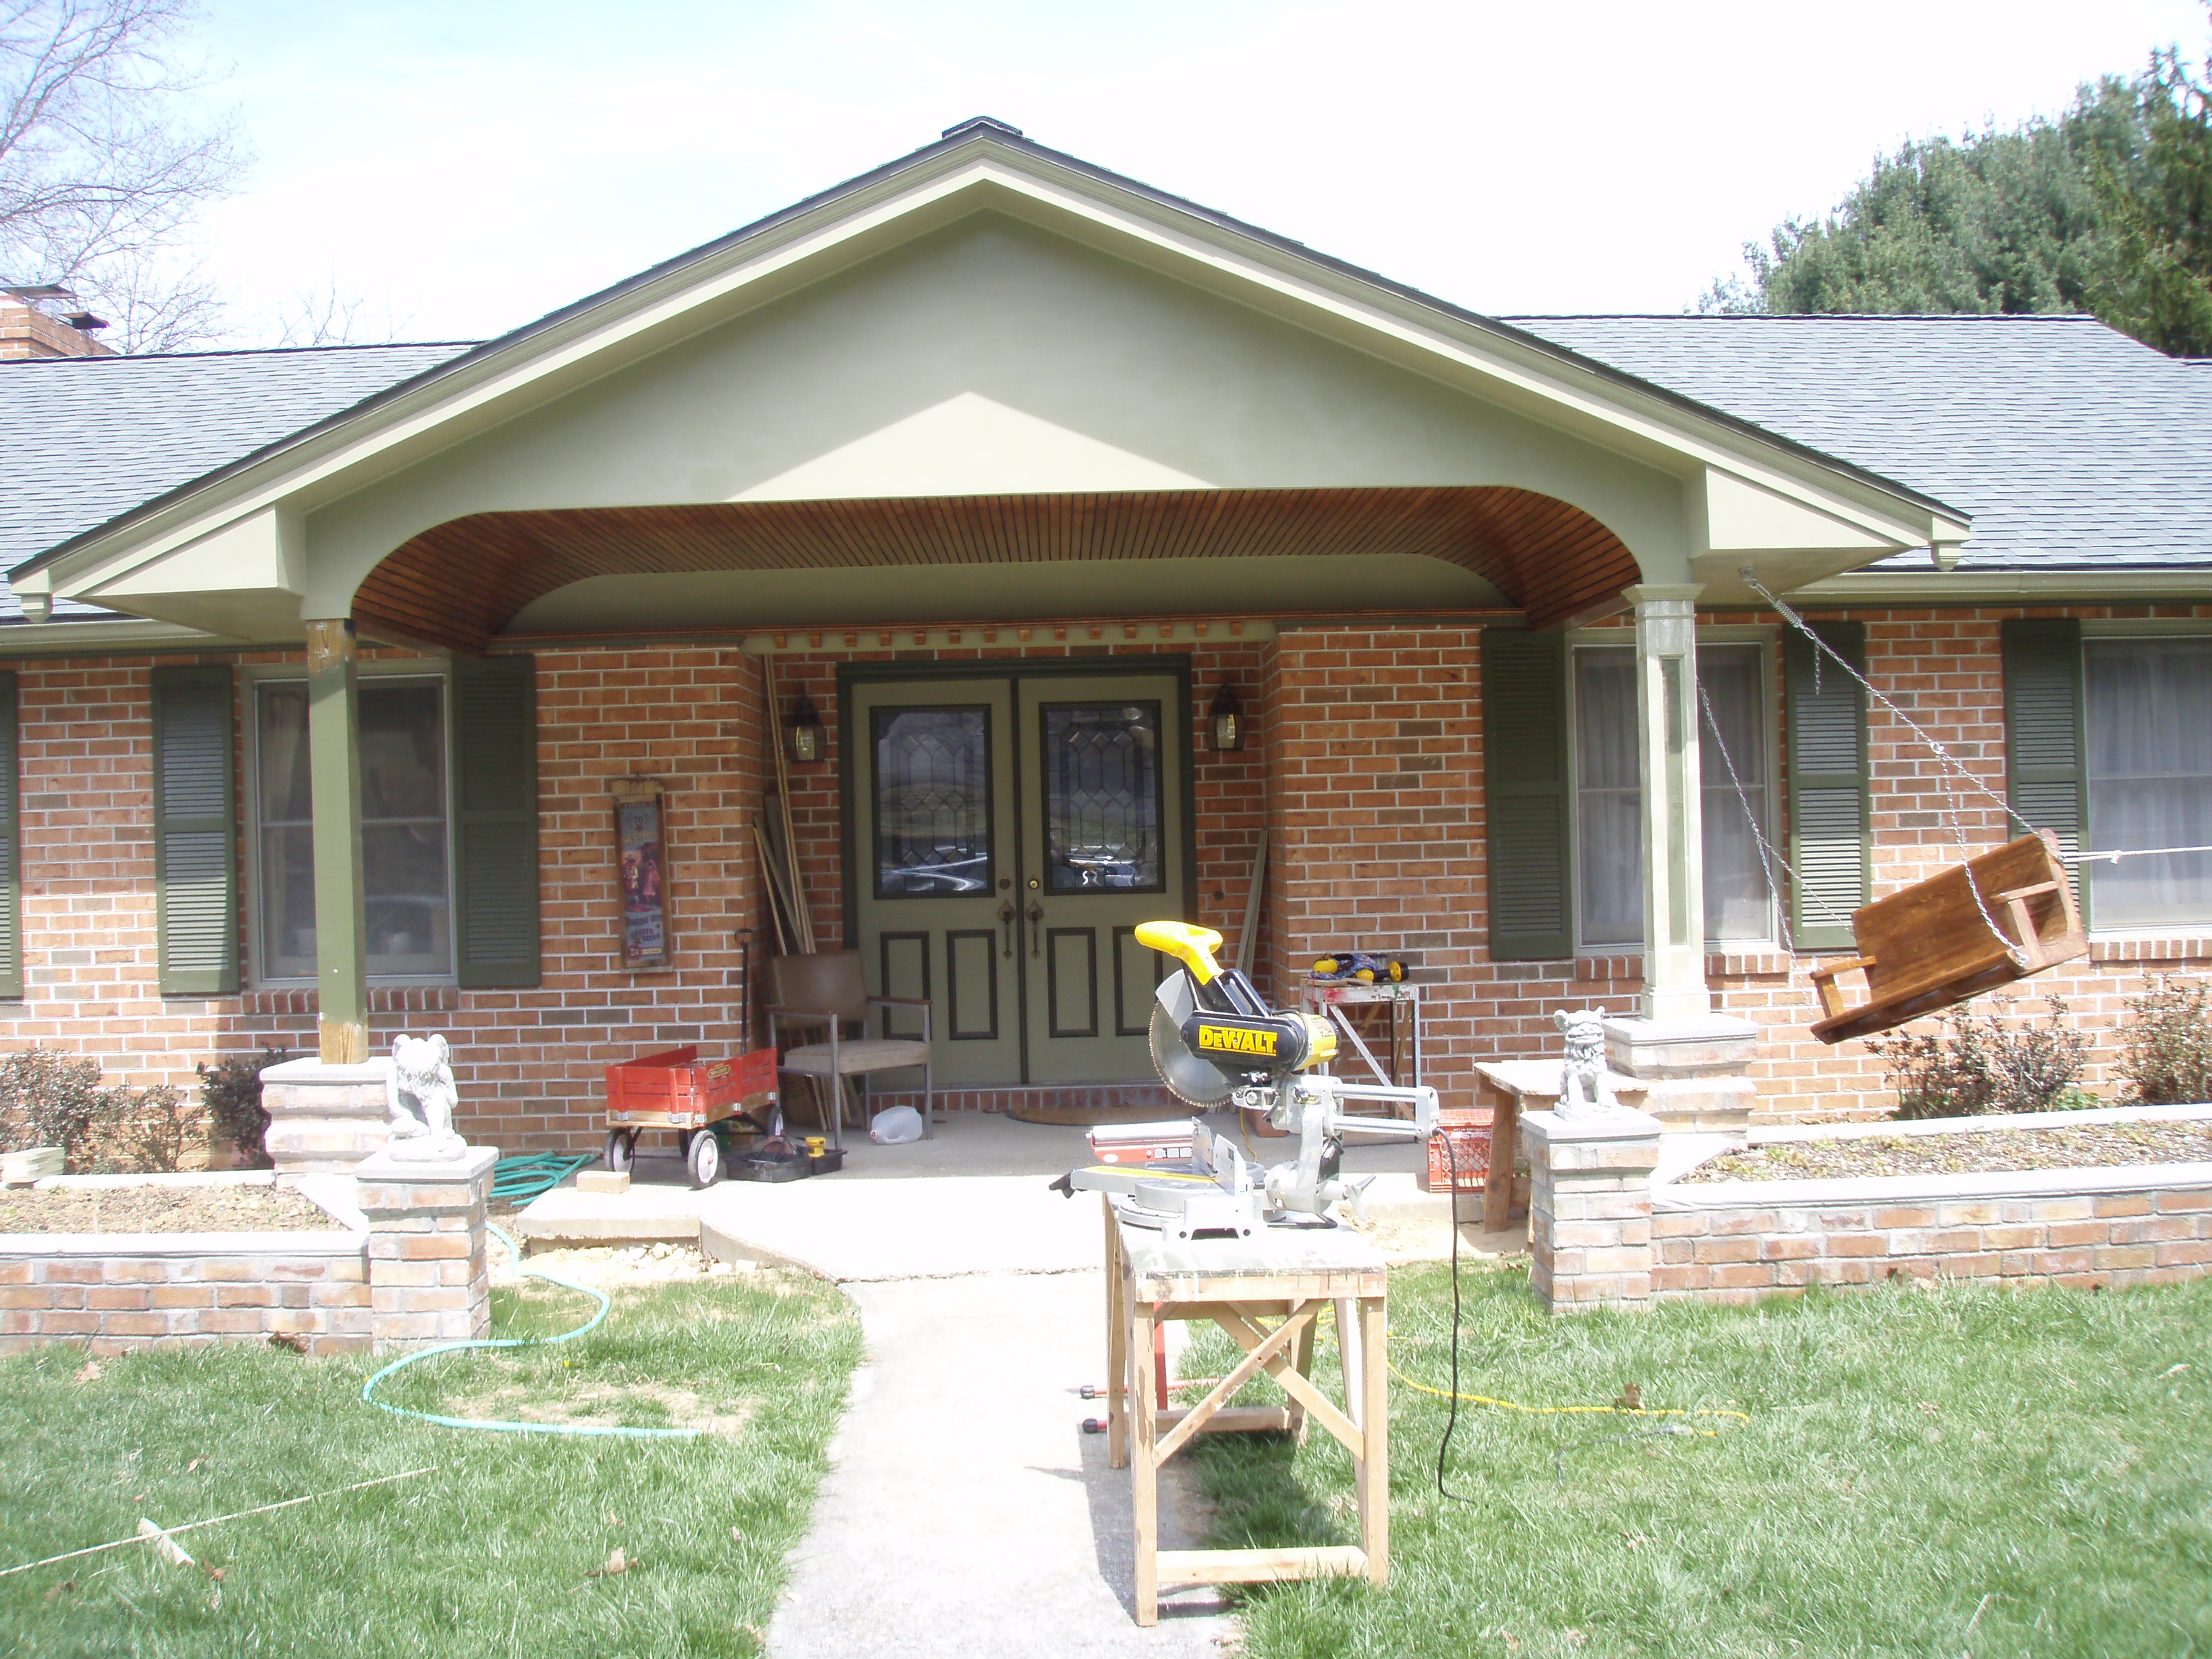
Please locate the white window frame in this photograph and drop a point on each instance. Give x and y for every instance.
(2119, 630)
(259, 674)
(1769, 691)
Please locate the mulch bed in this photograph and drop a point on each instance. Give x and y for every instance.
(2088, 1146)
(162, 1210)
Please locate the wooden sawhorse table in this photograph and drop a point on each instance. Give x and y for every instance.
(1287, 1277)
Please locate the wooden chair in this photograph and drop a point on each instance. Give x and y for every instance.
(1929, 947)
(827, 988)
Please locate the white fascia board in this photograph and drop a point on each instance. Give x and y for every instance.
(125, 634)
(852, 226)
(2082, 586)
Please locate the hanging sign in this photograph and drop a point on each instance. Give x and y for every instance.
(642, 873)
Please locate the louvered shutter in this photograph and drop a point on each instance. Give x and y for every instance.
(496, 831)
(11, 844)
(1525, 789)
(195, 832)
(2046, 761)
(1830, 845)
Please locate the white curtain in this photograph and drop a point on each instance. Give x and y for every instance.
(1608, 796)
(2150, 779)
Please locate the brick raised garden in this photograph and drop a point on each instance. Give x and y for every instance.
(1604, 1234)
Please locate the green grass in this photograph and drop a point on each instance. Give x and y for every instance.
(488, 1556)
(1949, 1471)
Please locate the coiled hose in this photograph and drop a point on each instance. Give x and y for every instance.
(602, 1431)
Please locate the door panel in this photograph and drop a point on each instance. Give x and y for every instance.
(1102, 816)
(934, 762)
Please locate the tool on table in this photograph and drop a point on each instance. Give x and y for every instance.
(1216, 1042)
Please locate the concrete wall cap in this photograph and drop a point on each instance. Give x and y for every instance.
(1991, 1124)
(178, 1178)
(1873, 1190)
(126, 1246)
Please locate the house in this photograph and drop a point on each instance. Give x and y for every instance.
(323, 666)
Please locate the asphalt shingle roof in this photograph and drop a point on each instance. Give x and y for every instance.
(83, 439)
(2071, 444)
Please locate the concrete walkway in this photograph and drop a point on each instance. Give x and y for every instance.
(966, 1513)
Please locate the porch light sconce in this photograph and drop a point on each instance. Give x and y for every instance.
(1225, 722)
(805, 732)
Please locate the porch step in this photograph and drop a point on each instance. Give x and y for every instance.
(643, 1215)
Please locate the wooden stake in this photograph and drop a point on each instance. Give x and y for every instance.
(802, 924)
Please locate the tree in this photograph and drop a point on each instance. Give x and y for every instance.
(104, 168)
(2158, 287)
(2010, 221)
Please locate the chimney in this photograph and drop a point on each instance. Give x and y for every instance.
(28, 328)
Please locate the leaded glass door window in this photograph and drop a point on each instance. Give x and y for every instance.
(932, 801)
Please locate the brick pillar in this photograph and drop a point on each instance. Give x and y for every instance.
(324, 1120)
(1589, 1208)
(430, 1271)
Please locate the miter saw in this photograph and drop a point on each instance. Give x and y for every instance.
(1216, 1042)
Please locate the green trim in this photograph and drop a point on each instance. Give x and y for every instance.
(1527, 784)
(11, 840)
(2046, 745)
(1831, 816)
(194, 719)
(497, 926)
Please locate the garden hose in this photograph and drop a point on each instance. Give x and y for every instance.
(602, 1431)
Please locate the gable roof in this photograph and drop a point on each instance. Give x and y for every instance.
(2073, 446)
(87, 440)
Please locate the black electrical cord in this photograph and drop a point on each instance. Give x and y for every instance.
(1451, 1415)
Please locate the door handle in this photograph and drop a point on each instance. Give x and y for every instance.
(1007, 921)
(1036, 915)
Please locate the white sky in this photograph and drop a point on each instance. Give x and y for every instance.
(467, 165)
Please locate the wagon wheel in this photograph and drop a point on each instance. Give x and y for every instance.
(621, 1146)
(704, 1158)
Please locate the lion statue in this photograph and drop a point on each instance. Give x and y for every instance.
(420, 1098)
(1583, 1090)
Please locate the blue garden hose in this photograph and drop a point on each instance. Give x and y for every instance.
(368, 1388)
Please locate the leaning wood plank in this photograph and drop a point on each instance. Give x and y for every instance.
(1248, 941)
(1259, 1566)
(802, 923)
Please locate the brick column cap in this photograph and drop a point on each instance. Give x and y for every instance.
(1623, 1123)
(384, 1169)
(312, 1071)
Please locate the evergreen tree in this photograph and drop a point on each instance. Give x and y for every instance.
(2158, 284)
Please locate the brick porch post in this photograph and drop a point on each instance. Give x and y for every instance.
(1589, 1208)
(429, 1267)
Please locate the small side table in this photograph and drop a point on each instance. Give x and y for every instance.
(1285, 1276)
(1510, 1087)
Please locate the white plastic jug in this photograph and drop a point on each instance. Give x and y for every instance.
(894, 1126)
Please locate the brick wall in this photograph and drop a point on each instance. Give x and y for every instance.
(148, 1294)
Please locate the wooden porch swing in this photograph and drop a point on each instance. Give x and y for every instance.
(1978, 925)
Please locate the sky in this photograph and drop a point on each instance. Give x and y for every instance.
(452, 169)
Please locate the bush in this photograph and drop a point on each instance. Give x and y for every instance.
(1968, 1068)
(49, 1097)
(2166, 1044)
(231, 1090)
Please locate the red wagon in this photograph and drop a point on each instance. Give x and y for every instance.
(703, 1102)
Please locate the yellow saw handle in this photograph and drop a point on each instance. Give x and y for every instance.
(1191, 946)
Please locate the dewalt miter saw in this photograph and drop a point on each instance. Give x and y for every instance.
(1216, 1042)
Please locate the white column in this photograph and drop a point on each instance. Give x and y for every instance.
(1667, 721)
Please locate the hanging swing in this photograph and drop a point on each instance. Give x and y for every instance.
(1986, 922)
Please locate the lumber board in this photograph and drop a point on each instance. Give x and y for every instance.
(1260, 1566)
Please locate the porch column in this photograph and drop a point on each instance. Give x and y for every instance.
(1673, 863)
(334, 781)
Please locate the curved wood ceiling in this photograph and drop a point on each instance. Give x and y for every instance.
(461, 583)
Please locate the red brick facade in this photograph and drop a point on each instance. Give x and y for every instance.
(1364, 761)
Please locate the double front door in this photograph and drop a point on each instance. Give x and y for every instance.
(1008, 834)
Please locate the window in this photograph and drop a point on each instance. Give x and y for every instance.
(405, 829)
(1608, 795)
(2148, 704)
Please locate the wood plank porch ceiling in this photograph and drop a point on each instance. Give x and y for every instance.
(461, 583)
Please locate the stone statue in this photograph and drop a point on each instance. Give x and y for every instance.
(420, 1098)
(1583, 1091)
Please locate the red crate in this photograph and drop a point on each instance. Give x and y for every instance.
(1470, 1145)
(674, 1087)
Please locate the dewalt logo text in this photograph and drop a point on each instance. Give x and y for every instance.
(1230, 1040)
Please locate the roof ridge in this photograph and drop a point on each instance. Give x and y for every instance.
(255, 351)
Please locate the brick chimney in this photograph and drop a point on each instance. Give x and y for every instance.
(30, 328)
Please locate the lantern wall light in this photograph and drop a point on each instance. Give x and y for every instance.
(1225, 722)
(805, 731)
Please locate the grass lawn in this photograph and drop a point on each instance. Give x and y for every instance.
(1949, 1471)
(495, 1553)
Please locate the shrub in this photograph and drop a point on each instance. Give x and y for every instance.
(49, 1097)
(231, 1090)
(2166, 1044)
(1968, 1067)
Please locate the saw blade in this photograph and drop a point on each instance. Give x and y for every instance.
(1193, 1081)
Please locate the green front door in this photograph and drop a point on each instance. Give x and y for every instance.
(1008, 834)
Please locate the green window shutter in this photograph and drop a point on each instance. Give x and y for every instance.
(1525, 779)
(11, 843)
(495, 832)
(2046, 760)
(1831, 842)
(195, 832)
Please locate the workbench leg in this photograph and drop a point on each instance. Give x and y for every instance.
(1117, 1347)
(1144, 1482)
(1375, 1439)
(1302, 1353)
(1347, 1357)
